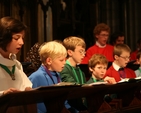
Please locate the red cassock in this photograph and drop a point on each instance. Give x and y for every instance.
(107, 51)
(133, 55)
(111, 72)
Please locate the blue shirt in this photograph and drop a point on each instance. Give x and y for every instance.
(42, 78)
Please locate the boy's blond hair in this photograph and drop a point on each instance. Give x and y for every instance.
(120, 48)
(51, 49)
(97, 59)
(71, 42)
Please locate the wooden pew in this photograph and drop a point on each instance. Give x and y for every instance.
(55, 96)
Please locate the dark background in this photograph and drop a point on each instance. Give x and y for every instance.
(79, 18)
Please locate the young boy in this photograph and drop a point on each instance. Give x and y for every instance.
(97, 66)
(72, 73)
(53, 57)
(138, 57)
(12, 77)
(118, 69)
(101, 33)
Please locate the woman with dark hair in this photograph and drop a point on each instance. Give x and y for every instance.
(12, 77)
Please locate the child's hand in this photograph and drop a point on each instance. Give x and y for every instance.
(10, 90)
(110, 80)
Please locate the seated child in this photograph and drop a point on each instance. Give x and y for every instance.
(72, 73)
(76, 51)
(53, 61)
(97, 66)
(118, 69)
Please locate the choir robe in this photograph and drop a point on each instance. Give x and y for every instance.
(133, 55)
(111, 72)
(106, 51)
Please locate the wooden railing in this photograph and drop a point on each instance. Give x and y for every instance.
(129, 97)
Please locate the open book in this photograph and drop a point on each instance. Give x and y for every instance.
(61, 84)
(130, 79)
(95, 83)
(65, 84)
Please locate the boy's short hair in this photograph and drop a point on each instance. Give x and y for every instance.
(97, 59)
(51, 49)
(71, 42)
(119, 48)
(101, 27)
(8, 26)
(138, 54)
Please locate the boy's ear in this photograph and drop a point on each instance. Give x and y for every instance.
(91, 70)
(116, 57)
(69, 52)
(96, 36)
(48, 61)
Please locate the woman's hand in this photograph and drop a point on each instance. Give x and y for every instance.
(11, 90)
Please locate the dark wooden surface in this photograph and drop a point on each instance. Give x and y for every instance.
(55, 96)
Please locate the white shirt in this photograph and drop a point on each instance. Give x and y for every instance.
(21, 80)
(115, 66)
(100, 46)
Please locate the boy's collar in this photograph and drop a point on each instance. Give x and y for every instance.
(67, 62)
(116, 67)
(98, 44)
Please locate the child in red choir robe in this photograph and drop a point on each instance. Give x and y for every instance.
(101, 32)
(118, 69)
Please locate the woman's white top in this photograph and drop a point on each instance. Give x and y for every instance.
(21, 80)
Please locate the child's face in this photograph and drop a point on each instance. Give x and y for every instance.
(102, 38)
(78, 54)
(99, 71)
(16, 44)
(123, 59)
(57, 64)
(120, 40)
